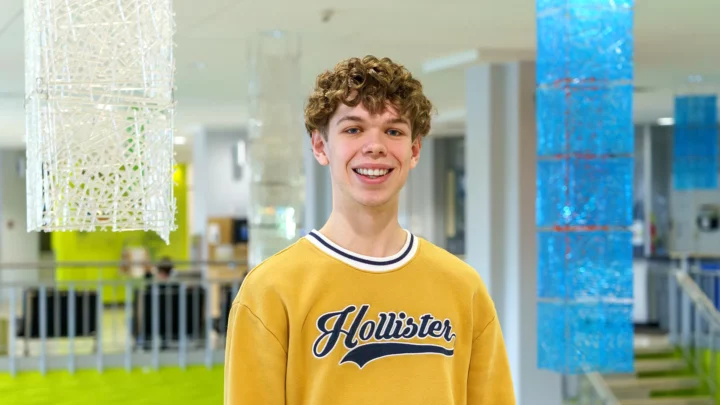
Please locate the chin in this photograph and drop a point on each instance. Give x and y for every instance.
(372, 201)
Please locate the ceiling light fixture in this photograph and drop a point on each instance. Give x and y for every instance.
(666, 121)
(471, 56)
(450, 61)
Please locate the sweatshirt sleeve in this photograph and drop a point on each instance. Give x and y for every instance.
(489, 378)
(255, 361)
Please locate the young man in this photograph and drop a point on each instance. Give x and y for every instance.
(362, 311)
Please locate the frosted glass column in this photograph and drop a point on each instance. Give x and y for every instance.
(695, 143)
(585, 146)
(275, 145)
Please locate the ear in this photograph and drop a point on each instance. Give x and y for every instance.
(319, 144)
(415, 148)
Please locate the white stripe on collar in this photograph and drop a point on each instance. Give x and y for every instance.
(368, 263)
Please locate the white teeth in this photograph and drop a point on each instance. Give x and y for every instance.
(372, 172)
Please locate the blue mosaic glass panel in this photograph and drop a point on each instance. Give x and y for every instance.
(602, 337)
(585, 119)
(585, 264)
(551, 203)
(695, 143)
(698, 111)
(584, 192)
(584, 43)
(579, 337)
(552, 122)
(695, 174)
(584, 184)
(543, 5)
(552, 336)
(552, 272)
(602, 191)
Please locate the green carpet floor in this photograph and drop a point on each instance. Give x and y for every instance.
(172, 386)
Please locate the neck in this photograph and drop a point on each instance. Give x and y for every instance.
(367, 231)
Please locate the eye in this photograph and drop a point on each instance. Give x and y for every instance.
(394, 132)
(353, 131)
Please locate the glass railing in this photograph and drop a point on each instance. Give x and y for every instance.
(685, 296)
(693, 317)
(92, 322)
(593, 390)
(99, 323)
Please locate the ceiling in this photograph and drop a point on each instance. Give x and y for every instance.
(673, 41)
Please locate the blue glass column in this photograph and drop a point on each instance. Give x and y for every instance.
(695, 143)
(584, 200)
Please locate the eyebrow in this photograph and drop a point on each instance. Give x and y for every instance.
(355, 118)
(398, 120)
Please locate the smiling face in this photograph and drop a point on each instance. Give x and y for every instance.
(369, 156)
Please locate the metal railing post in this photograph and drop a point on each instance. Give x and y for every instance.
(182, 329)
(71, 328)
(685, 319)
(685, 309)
(673, 308)
(43, 328)
(56, 312)
(12, 349)
(129, 326)
(168, 315)
(713, 359)
(155, 326)
(208, 326)
(98, 328)
(698, 346)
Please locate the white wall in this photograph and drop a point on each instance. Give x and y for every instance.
(16, 244)
(214, 189)
(225, 195)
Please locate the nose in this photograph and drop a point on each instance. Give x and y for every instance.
(374, 145)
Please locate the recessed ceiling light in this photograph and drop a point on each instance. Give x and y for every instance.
(666, 121)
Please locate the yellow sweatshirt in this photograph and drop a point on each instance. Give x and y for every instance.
(317, 324)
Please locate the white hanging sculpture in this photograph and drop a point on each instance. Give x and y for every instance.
(99, 83)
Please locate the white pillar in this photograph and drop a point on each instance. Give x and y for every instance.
(404, 206)
(500, 164)
(200, 187)
(647, 189)
(17, 245)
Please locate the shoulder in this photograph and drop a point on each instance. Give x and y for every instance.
(451, 265)
(274, 275)
(464, 279)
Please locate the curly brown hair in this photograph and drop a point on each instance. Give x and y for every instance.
(373, 82)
